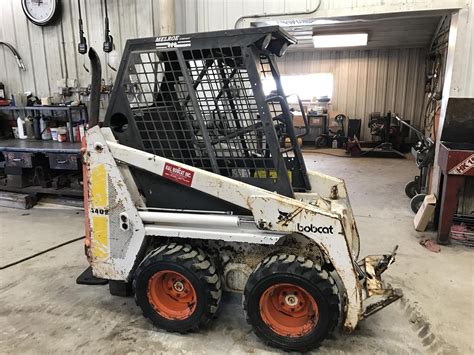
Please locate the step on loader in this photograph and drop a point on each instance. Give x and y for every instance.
(192, 189)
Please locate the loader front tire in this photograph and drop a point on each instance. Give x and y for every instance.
(178, 288)
(291, 302)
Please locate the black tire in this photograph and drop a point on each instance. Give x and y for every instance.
(286, 269)
(410, 189)
(416, 202)
(197, 268)
(321, 142)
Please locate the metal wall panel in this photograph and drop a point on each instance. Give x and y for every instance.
(209, 15)
(50, 53)
(367, 81)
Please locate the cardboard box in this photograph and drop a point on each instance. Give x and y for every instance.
(298, 121)
(313, 121)
(425, 213)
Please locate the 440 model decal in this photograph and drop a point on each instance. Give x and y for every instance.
(172, 42)
(99, 211)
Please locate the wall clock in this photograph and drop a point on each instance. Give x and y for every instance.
(41, 12)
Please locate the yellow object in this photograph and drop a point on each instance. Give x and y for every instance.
(99, 187)
(272, 174)
(98, 205)
(100, 226)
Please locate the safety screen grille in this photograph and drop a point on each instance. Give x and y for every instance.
(215, 125)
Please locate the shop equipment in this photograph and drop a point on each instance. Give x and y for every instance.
(19, 60)
(456, 162)
(3, 99)
(42, 166)
(189, 193)
(333, 135)
(82, 45)
(423, 151)
(108, 45)
(316, 124)
(390, 135)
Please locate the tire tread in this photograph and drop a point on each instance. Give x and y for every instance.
(196, 261)
(306, 268)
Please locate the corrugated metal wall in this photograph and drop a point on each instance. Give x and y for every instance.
(367, 81)
(50, 53)
(364, 81)
(210, 15)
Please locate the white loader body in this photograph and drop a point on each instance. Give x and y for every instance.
(119, 221)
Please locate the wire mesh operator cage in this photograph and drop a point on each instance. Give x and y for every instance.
(198, 99)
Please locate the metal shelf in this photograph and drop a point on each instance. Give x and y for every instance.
(30, 145)
(39, 111)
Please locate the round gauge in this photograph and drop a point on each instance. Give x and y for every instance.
(41, 12)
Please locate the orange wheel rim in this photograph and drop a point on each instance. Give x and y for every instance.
(289, 310)
(171, 295)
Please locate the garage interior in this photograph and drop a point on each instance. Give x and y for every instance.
(392, 116)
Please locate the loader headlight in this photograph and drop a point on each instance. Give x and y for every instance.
(283, 49)
(266, 41)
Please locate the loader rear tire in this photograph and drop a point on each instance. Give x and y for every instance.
(178, 288)
(291, 302)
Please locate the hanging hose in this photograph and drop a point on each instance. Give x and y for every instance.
(40, 253)
(108, 39)
(241, 19)
(82, 46)
(19, 61)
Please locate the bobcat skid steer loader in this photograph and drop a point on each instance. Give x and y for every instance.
(192, 189)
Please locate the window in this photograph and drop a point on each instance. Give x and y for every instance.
(307, 87)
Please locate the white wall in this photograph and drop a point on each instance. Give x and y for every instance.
(462, 82)
(209, 15)
(47, 59)
(367, 81)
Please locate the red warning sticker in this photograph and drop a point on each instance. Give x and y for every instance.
(180, 175)
(464, 166)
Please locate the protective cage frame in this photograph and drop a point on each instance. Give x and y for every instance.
(198, 99)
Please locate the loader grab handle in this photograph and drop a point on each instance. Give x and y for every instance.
(303, 114)
(287, 120)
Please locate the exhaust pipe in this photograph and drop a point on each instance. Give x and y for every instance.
(96, 81)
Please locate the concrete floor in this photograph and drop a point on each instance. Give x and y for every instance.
(42, 310)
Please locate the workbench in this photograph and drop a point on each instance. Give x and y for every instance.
(34, 145)
(55, 113)
(42, 166)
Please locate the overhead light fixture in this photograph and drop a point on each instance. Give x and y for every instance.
(340, 40)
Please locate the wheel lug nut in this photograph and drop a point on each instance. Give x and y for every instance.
(178, 286)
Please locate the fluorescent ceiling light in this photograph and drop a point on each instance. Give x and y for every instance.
(295, 22)
(340, 40)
